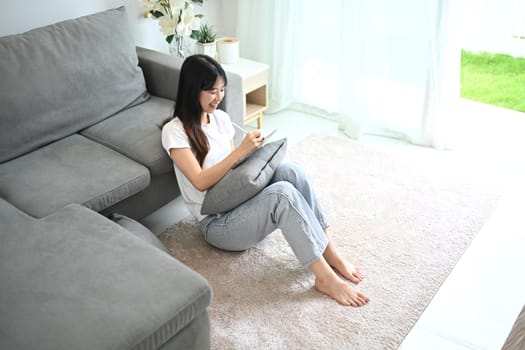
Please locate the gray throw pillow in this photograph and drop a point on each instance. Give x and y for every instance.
(64, 77)
(245, 180)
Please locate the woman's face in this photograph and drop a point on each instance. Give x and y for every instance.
(210, 99)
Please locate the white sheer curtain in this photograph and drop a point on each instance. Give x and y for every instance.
(377, 66)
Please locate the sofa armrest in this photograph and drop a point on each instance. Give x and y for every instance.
(75, 267)
(161, 72)
(233, 102)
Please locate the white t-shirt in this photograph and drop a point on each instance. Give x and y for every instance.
(220, 132)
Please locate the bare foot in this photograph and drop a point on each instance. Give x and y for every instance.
(349, 271)
(336, 261)
(327, 282)
(343, 293)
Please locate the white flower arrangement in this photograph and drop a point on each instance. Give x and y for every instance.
(176, 17)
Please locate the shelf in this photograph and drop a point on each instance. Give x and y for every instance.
(253, 112)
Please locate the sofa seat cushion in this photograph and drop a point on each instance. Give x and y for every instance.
(136, 132)
(64, 77)
(72, 170)
(77, 280)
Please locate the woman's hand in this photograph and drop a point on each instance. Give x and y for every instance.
(252, 140)
(203, 179)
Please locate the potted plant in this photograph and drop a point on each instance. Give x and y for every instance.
(205, 37)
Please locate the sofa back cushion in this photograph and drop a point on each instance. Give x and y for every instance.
(64, 77)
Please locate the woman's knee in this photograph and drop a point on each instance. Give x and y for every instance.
(282, 187)
(290, 172)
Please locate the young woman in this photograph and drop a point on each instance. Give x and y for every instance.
(199, 140)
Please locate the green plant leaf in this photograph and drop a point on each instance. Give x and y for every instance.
(194, 35)
(205, 34)
(156, 14)
(169, 38)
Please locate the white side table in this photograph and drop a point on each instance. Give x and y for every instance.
(254, 88)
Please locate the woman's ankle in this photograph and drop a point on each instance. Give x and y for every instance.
(323, 271)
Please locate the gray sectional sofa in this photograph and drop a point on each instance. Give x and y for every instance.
(80, 164)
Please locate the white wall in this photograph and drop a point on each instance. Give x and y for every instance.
(489, 25)
(16, 16)
(229, 15)
(20, 16)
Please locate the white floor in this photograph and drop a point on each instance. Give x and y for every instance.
(479, 301)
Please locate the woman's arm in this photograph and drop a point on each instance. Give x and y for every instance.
(201, 179)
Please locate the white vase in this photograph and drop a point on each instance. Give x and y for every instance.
(205, 49)
(177, 46)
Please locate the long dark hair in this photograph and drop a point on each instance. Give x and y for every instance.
(198, 73)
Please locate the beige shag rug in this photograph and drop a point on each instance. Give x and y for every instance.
(403, 218)
(516, 338)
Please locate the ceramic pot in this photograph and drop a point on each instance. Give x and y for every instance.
(205, 48)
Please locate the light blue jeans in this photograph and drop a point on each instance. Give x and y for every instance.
(288, 203)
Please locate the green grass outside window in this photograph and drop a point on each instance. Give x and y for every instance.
(495, 79)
